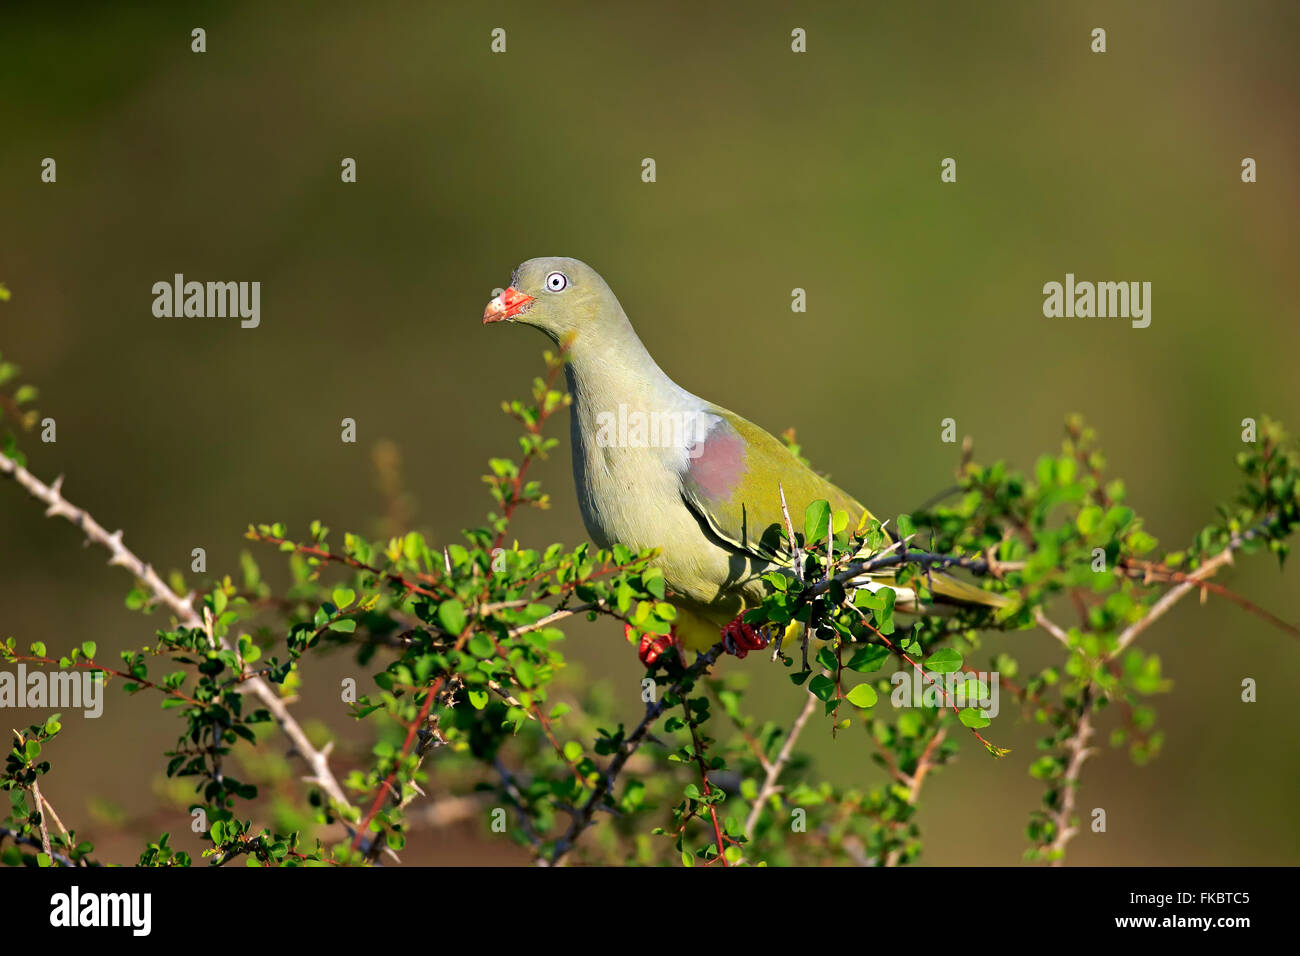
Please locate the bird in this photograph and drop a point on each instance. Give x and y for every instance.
(657, 467)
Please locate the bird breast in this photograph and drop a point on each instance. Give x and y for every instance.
(629, 492)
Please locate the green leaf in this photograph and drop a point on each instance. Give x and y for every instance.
(972, 688)
(869, 658)
(480, 645)
(451, 615)
(653, 579)
(1088, 519)
(943, 661)
(972, 718)
(867, 599)
(344, 597)
(822, 687)
(88, 648)
(816, 521)
(864, 695)
(1120, 516)
(885, 614)
(249, 651)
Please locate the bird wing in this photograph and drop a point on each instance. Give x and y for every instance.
(733, 479)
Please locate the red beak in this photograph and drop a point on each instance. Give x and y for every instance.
(506, 306)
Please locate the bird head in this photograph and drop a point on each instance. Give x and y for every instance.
(559, 296)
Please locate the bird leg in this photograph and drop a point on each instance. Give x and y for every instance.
(741, 638)
(653, 645)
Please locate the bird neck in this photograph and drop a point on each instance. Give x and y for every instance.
(615, 369)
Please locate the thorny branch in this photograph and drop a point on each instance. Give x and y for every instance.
(182, 607)
(1076, 745)
(513, 490)
(605, 784)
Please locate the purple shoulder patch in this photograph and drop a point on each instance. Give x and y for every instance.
(720, 463)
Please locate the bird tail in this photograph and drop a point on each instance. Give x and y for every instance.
(945, 590)
(950, 590)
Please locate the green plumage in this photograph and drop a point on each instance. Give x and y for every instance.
(711, 505)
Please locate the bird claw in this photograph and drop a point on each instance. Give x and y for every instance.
(652, 646)
(740, 638)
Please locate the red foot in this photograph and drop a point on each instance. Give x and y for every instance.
(741, 638)
(652, 646)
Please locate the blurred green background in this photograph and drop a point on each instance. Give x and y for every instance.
(775, 170)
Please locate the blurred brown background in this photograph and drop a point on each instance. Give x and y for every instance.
(775, 170)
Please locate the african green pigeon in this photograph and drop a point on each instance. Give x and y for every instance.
(658, 467)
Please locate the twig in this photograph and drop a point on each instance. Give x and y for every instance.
(534, 428)
(769, 786)
(550, 619)
(795, 550)
(322, 554)
(516, 797)
(34, 844)
(386, 787)
(1149, 569)
(698, 749)
(182, 607)
(1051, 627)
(1177, 593)
(1076, 745)
(935, 682)
(54, 816)
(40, 812)
(915, 780)
(797, 557)
(629, 746)
(1079, 751)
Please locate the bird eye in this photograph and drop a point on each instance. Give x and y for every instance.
(556, 282)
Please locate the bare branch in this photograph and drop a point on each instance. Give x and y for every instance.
(1177, 593)
(1079, 751)
(182, 607)
(1077, 745)
(774, 769)
(40, 812)
(916, 779)
(1051, 627)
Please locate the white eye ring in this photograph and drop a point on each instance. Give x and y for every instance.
(556, 282)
